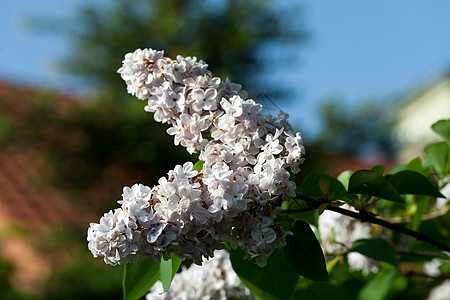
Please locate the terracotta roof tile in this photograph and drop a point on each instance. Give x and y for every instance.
(36, 206)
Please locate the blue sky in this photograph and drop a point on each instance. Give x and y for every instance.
(357, 50)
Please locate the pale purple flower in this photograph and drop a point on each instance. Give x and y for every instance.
(219, 174)
(204, 99)
(192, 213)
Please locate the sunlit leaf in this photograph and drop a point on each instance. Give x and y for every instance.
(415, 164)
(344, 178)
(378, 287)
(371, 183)
(168, 269)
(139, 277)
(379, 169)
(276, 280)
(305, 254)
(332, 263)
(437, 153)
(397, 168)
(442, 127)
(410, 182)
(198, 165)
(420, 210)
(378, 249)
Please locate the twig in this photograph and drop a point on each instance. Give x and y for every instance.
(425, 217)
(401, 252)
(423, 253)
(366, 217)
(414, 273)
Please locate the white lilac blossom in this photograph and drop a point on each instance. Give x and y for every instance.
(440, 292)
(236, 195)
(338, 232)
(431, 268)
(441, 202)
(215, 280)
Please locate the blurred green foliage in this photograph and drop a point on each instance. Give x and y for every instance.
(81, 277)
(354, 130)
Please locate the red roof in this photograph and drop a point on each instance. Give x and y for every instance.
(24, 200)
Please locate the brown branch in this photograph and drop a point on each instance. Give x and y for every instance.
(419, 274)
(424, 254)
(441, 255)
(366, 217)
(425, 217)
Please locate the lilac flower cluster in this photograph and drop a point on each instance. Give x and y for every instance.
(214, 280)
(238, 192)
(338, 232)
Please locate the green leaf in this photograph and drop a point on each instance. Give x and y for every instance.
(371, 183)
(420, 210)
(398, 168)
(321, 208)
(326, 291)
(379, 169)
(304, 253)
(344, 178)
(198, 166)
(442, 127)
(436, 228)
(437, 153)
(320, 290)
(276, 280)
(139, 277)
(378, 287)
(311, 216)
(324, 186)
(410, 182)
(168, 269)
(378, 249)
(311, 185)
(415, 164)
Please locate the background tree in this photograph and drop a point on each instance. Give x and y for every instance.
(357, 130)
(229, 35)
